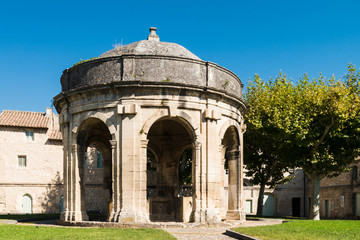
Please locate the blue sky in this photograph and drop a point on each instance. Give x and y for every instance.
(39, 39)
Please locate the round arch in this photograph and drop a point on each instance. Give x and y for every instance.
(232, 165)
(226, 125)
(92, 137)
(94, 115)
(168, 137)
(164, 113)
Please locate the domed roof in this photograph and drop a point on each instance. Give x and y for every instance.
(151, 46)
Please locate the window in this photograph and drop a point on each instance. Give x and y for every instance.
(151, 164)
(29, 135)
(354, 173)
(61, 204)
(86, 160)
(22, 161)
(326, 209)
(248, 206)
(99, 162)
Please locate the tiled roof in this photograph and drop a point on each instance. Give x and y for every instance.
(54, 135)
(24, 119)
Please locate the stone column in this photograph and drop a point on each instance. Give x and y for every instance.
(65, 215)
(223, 206)
(234, 187)
(241, 172)
(130, 161)
(79, 213)
(115, 211)
(199, 202)
(143, 181)
(212, 167)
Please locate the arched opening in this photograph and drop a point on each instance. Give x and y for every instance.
(169, 170)
(185, 173)
(151, 174)
(231, 144)
(26, 204)
(95, 169)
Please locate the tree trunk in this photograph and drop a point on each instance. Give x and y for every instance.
(315, 197)
(259, 211)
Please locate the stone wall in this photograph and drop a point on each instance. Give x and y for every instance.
(41, 178)
(338, 194)
(283, 195)
(155, 69)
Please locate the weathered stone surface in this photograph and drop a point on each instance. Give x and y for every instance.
(146, 47)
(144, 105)
(152, 69)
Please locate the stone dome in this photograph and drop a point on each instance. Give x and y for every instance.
(148, 47)
(151, 62)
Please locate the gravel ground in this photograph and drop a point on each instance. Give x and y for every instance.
(199, 233)
(210, 233)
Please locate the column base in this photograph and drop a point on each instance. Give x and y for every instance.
(79, 216)
(114, 216)
(76, 216)
(212, 215)
(197, 216)
(235, 215)
(205, 216)
(65, 215)
(132, 217)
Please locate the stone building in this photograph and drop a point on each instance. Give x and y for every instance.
(340, 196)
(30, 162)
(166, 124)
(288, 199)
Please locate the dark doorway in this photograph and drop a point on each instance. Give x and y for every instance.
(296, 205)
(95, 169)
(169, 168)
(327, 209)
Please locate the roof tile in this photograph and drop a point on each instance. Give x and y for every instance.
(54, 135)
(24, 119)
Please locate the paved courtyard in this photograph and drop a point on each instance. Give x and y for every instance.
(209, 233)
(183, 231)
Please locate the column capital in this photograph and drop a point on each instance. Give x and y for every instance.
(197, 145)
(212, 114)
(113, 143)
(127, 109)
(233, 154)
(75, 147)
(144, 143)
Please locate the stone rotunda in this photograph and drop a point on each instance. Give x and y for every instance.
(168, 128)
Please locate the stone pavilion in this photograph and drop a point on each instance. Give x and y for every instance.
(169, 127)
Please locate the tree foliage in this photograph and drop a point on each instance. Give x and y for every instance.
(314, 124)
(264, 156)
(185, 167)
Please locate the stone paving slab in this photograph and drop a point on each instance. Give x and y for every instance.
(210, 233)
(199, 233)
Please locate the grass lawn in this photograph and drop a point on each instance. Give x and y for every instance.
(10, 231)
(306, 229)
(29, 216)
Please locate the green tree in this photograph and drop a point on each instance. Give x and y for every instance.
(316, 125)
(264, 156)
(330, 136)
